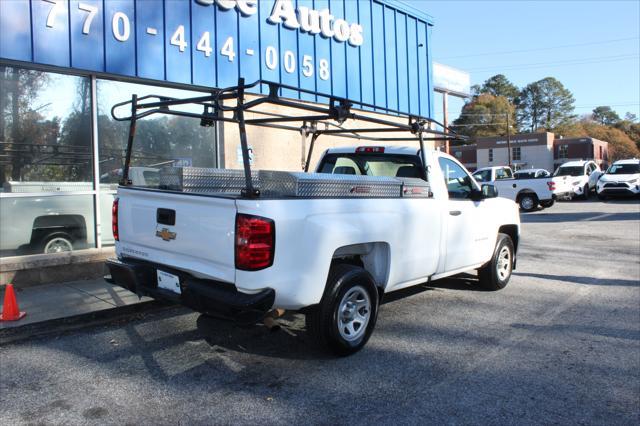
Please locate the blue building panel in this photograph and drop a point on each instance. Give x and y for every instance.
(401, 53)
(374, 51)
(391, 66)
(249, 48)
(379, 54)
(120, 37)
(15, 23)
(423, 70)
(307, 68)
(177, 41)
(203, 45)
(87, 23)
(366, 53)
(50, 23)
(150, 42)
(338, 53)
(352, 65)
(227, 53)
(412, 65)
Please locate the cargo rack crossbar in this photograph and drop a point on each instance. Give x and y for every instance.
(335, 114)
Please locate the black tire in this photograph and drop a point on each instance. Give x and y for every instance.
(548, 203)
(528, 202)
(585, 190)
(61, 240)
(323, 320)
(488, 274)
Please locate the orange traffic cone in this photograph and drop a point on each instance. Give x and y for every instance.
(11, 311)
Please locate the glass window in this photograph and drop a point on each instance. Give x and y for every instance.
(516, 153)
(372, 165)
(160, 141)
(482, 175)
(503, 173)
(458, 181)
(563, 151)
(46, 224)
(45, 131)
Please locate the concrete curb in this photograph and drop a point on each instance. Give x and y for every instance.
(76, 322)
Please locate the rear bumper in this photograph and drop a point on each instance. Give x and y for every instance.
(208, 296)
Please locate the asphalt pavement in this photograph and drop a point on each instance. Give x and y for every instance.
(560, 344)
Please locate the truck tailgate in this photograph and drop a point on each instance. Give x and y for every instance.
(188, 232)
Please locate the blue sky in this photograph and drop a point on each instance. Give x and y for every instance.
(599, 63)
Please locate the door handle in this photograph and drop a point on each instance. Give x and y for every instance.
(455, 212)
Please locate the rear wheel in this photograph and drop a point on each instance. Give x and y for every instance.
(495, 275)
(56, 243)
(528, 202)
(345, 318)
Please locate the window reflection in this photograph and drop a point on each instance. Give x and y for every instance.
(45, 131)
(160, 140)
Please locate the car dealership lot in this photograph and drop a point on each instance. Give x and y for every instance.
(561, 344)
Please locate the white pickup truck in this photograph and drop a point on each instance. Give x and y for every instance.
(528, 193)
(370, 221)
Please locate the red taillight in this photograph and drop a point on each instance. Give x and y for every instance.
(370, 149)
(114, 220)
(552, 185)
(255, 242)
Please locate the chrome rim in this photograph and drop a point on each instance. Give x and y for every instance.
(527, 203)
(58, 245)
(354, 313)
(503, 266)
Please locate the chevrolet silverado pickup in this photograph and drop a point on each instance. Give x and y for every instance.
(528, 193)
(248, 244)
(370, 221)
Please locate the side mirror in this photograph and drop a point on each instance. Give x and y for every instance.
(489, 191)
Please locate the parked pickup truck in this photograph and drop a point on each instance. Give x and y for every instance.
(370, 221)
(528, 193)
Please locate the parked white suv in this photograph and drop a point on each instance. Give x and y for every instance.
(622, 178)
(576, 179)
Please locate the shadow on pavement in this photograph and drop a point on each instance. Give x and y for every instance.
(582, 280)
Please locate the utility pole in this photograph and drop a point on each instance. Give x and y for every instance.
(509, 140)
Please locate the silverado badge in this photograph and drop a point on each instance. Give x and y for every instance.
(165, 234)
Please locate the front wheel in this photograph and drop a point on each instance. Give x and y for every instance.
(528, 202)
(585, 192)
(345, 318)
(495, 275)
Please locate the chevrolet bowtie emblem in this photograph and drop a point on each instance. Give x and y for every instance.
(165, 234)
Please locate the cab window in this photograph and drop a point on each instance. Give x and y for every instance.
(503, 174)
(459, 183)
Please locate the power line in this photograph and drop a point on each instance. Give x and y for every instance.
(539, 49)
(613, 58)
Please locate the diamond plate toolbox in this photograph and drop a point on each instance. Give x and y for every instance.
(275, 184)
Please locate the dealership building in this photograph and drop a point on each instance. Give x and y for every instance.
(64, 64)
(531, 150)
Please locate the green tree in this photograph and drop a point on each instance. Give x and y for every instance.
(498, 85)
(545, 104)
(631, 127)
(485, 115)
(605, 116)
